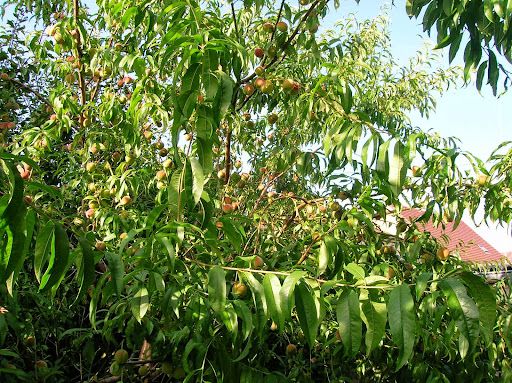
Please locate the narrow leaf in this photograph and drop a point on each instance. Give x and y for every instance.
(349, 321)
(308, 311)
(402, 322)
(217, 288)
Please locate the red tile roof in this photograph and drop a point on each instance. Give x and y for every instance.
(471, 247)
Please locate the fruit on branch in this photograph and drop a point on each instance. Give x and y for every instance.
(100, 246)
(246, 116)
(282, 26)
(7, 125)
(249, 90)
(268, 27)
(259, 52)
(272, 118)
(273, 326)
(238, 164)
(258, 262)
(239, 290)
(143, 370)
(116, 156)
(89, 213)
(4, 76)
(167, 163)
(70, 78)
(200, 98)
(40, 364)
(259, 70)
(93, 149)
(272, 51)
(335, 206)
(291, 349)
(160, 175)
(163, 152)
(121, 356)
(482, 180)
(148, 134)
(126, 200)
(268, 87)
(221, 174)
(227, 208)
(416, 171)
(127, 80)
(90, 166)
(443, 253)
(313, 28)
(59, 39)
(259, 83)
(288, 84)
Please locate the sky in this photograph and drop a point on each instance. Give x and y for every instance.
(479, 120)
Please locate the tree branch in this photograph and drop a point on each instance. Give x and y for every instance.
(81, 77)
(289, 40)
(31, 90)
(234, 20)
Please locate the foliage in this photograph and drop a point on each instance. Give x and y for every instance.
(218, 212)
(485, 22)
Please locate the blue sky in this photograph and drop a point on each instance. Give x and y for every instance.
(478, 120)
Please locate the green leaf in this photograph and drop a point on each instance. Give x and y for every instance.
(140, 304)
(259, 298)
(286, 292)
(398, 168)
(224, 95)
(116, 267)
(356, 270)
(16, 263)
(272, 288)
(328, 249)
(243, 312)
(421, 283)
(374, 317)
(402, 322)
(60, 262)
(349, 321)
(217, 289)
(43, 247)
(464, 311)
(86, 271)
(198, 179)
(308, 311)
(485, 300)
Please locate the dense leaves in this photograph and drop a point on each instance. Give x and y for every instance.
(211, 188)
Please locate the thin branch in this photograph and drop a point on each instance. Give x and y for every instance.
(285, 274)
(81, 76)
(227, 158)
(31, 90)
(234, 20)
(277, 20)
(290, 39)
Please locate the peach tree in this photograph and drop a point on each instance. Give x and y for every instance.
(214, 190)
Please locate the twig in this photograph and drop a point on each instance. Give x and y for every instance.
(289, 40)
(234, 20)
(305, 254)
(284, 274)
(227, 158)
(31, 90)
(277, 20)
(81, 77)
